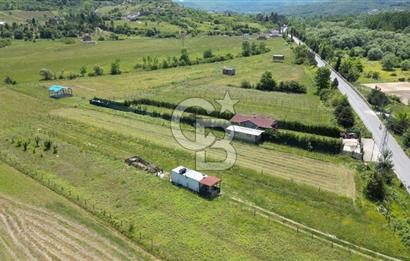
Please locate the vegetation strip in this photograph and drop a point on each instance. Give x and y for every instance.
(308, 230)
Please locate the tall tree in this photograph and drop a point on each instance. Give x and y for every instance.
(322, 78)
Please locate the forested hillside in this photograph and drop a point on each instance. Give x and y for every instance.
(304, 8)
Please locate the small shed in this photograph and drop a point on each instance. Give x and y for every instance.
(206, 186)
(278, 58)
(353, 147)
(229, 71)
(57, 91)
(245, 134)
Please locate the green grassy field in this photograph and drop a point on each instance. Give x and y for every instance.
(385, 76)
(58, 56)
(207, 81)
(318, 191)
(89, 164)
(21, 198)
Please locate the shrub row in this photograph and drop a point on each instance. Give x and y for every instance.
(312, 143)
(173, 106)
(312, 129)
(190, 120)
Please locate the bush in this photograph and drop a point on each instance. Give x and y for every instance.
(208, 54)
(312, 143)
(291, 86)
(83, 71)
(375, 54)
(390, 61)
(4, 42)
(46, 74)
(373, 75)
(98, 70)
(405, 65)
(377, 98)
(266, 83)
(115, 67)
(321, 130)
(344, 114)
(375, 188)
(72, 76)
(9, 81)
(246, 84)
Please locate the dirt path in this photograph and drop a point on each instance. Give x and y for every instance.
(28, 233)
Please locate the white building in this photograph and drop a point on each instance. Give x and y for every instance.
(2, 23)
(245, 134)
(353, 148)
(204, 185)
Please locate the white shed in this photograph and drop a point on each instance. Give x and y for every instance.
(245, 134)
(204, 185)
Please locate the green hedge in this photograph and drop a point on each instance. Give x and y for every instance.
(312, 143)
(322, 130)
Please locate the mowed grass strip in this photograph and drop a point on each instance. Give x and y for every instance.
(319, 174)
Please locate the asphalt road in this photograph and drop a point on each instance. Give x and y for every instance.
(373, 123)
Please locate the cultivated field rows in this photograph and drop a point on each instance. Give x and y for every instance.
(308, 171)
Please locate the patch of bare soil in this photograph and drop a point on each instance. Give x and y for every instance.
(399, 89)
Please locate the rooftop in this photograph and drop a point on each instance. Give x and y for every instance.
(192, 174)
(245, 130)
(262, 122)
(56, 88)
(210, 181)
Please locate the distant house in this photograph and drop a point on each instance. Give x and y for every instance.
(57, 91)
(250, 135)
(278, 58)
(254, 122)
(246, 37)
(274, 33)
(2, 23)
(229, 71)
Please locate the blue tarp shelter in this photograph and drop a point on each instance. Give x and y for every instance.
(57, 91)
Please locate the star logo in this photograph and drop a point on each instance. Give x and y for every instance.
(227, 103)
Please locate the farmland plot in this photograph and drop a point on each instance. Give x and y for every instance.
(90, 164)
(48, 227)
(308, 171)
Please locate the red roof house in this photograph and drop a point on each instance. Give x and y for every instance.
(254, 121)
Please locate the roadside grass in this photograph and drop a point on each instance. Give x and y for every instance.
(22, 189)
(385, 76)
